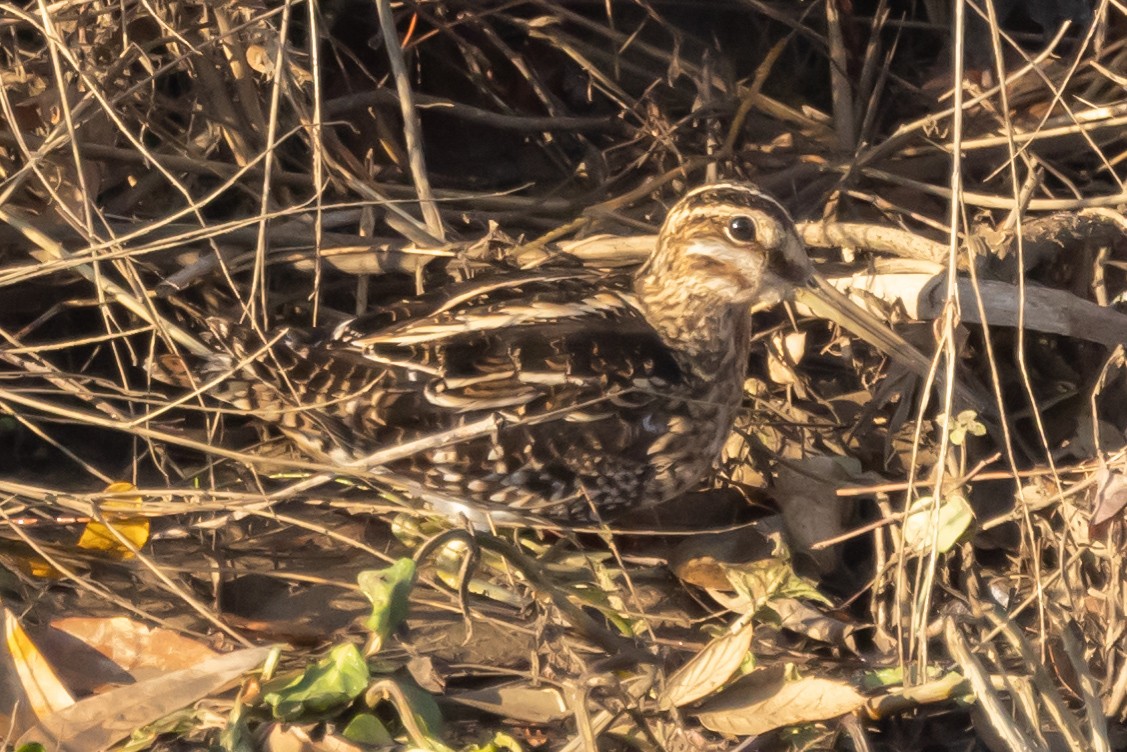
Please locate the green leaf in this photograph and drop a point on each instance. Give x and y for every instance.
(365, 728)
(388, 590)
(882, 677)
(423, 706)
(179, 722)
(335, 680)
(236, 736)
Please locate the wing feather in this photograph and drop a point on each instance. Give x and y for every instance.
(578, 379)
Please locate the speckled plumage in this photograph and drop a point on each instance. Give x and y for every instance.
(609, 392)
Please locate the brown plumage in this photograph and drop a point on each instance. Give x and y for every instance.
(607, 393)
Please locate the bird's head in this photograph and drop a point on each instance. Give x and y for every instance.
(731, 243)
(727, 246)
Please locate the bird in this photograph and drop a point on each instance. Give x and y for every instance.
(560, 393)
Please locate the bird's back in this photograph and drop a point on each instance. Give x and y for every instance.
(546, 392)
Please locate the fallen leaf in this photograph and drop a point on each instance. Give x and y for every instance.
(366, 728)
(291, 737)
(945, 526)
(699, 559)
(708, 670)
(136, 647)
(42, 689)
(811, 509)
(1111, 495)
(764, 701)
(784, 352)
(97, 722)
(119, 514)
(801, 618)
(518, 701)
(762, 581)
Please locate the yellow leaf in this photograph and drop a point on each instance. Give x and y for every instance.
(44, 692)
(34, 565)
(119, 515)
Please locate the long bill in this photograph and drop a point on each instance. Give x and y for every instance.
(827, 302)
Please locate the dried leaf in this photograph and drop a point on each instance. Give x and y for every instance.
(1111, 495)
(810, 506)
(98, 721)
(517, 700)
(783, 354)
(708, 670)
(43, 690)
(761, 581)
(698, 558)
(135, 647)
(310, 737)
(803, 619)
(764, 701)
(32, 564)
(952, 518)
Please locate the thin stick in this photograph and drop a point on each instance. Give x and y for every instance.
(412, 131)
(842, 93)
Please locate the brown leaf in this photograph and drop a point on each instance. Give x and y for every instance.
(134, 647)
(517, 700)
(764, 701)
(1111, 495)
(708, 670)
(99, 721)
(699, 559)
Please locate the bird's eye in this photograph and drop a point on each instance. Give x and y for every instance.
(741, 229)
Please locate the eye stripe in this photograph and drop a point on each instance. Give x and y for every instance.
(738, 196)
(713, 222)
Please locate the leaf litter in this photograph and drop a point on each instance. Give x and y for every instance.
(862, 564)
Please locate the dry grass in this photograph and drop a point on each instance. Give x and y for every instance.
(290, 165)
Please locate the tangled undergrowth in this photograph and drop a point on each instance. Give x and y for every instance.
(886, 560)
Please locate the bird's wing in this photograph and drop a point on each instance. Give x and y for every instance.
(560, 373)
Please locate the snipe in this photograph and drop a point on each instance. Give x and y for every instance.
(597, 395)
